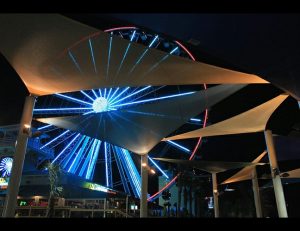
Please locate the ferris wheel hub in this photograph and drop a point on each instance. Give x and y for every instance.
(100, 104)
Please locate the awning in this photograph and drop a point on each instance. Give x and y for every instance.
(139, 128)
(209, 166)
(245, 173)
(253, 120)
(53, 54)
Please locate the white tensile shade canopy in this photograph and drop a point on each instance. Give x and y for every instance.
(253, 120)
(291, 174)
(245, 173)
(139, 128)
(53, 54)
(210, 166)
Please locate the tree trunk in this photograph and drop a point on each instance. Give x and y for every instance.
(51, 203)
(191, 201)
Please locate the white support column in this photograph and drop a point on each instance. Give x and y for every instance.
(278, 189)
(19, 156)
(215, 194)
(144, 186)
(255, 187)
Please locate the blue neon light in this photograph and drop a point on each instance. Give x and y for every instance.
(74, 61)
(154, 99)
(196, 120)
(73, 99)
(61, 109)
(179, 146)
(87, 95)
(153, 162)
(175, 49)
(130, 95)
(109, 51)
(41, 128)
(65, 148)
(156, 37)
(6, 166)
(132, 36)
(54, 139)
(92, 53)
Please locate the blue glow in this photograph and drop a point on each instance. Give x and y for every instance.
(87, 95)
(89, 112)
(112, 96)
(92, 53)
(6, 166)
(153, 162)
(87, 160)
(156, 37)
(154, 99)
(74, 61)
(132, 36)
(112, 100)
(100, 93)
(73, 99)
(179, 146)
(109, 92)
(175, 49)
(139, 60)
(106, 166)
(54, 139)
(196, 120)
(62, 109)
(95, 93)
(109, 51)
(93, 159)
(124, 56)
(104, 95)
(79, 155)
(41, 128)
(72, 153)
(65, 148)
(130, 95)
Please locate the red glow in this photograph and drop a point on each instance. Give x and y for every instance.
(121, 28)
(166, 186)
(186, 50)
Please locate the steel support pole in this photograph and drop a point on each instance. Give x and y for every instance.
(255, 188)
(19, 156)
(278, 189)
(215, 193)
(144, 186)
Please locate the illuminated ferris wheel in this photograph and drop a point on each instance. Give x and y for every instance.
(100, 161)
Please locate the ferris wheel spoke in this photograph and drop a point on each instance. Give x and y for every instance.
(92, 54)
(73, 99)
(75, 61)
(156, 165)
(54, 139)
(109, 51)
(121, 172)
(174, 144)
(154, 99)
(122, 61)
(130, 95)
(93, 160)
(119, 95)
(60, 110)
(87, 95)
(108, 169)
(75, 163)
(69, 144)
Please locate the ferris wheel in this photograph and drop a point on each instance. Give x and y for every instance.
(100, 161)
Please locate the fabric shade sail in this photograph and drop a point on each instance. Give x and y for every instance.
(291, 174)
(208, 166)
(245, 173)
(139, 128)
(253, 120)
(53, 54)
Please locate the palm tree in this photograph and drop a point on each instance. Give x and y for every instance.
(55, 190)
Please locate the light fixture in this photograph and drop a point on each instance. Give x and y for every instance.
(152, 171)
(144, 164)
